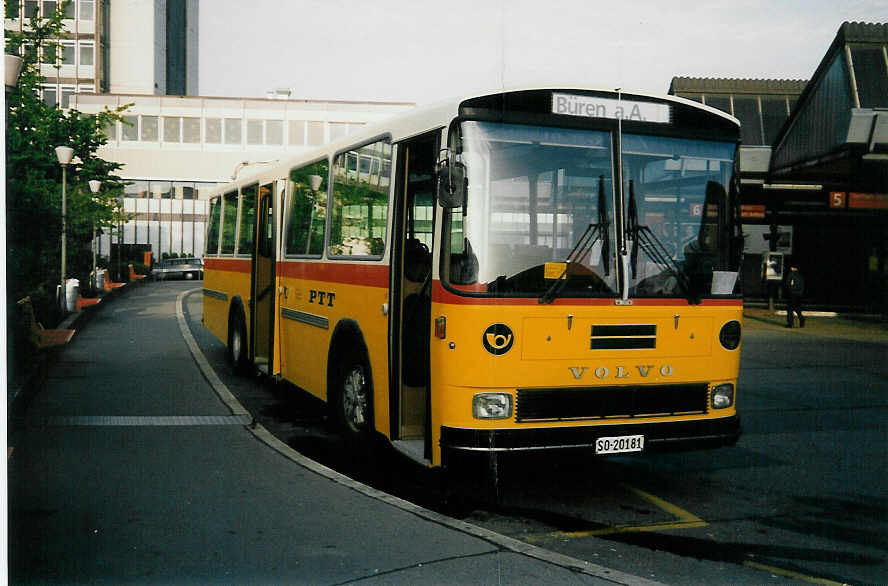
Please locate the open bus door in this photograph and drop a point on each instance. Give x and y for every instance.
(263, 285)
(410, 398)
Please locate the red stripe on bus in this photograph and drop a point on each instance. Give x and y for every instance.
(232, 265)
(370, 275)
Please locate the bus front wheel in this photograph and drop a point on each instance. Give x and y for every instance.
(353, 398)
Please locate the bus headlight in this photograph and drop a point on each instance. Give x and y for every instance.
(729, 336)
(722, 396)
(492, 406)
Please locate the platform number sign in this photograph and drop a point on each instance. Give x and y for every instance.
(837, 199)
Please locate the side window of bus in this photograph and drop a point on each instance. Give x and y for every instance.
(229, 222)
(213, 231)
(248, 220)
(308, 209)
(359, 210)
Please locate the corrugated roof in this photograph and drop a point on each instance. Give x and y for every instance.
(704, 85)
(864, 32)
(795, 145)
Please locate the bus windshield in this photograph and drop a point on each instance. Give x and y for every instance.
(542, 208)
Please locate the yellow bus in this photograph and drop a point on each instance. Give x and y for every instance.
(536, 269)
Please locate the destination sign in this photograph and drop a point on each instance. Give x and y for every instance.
(592, 107)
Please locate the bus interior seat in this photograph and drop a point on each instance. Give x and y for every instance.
(417, 260)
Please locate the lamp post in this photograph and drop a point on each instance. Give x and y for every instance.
(64, 155)
(94, 186)
(157, 189)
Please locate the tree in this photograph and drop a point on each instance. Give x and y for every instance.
(34, 176)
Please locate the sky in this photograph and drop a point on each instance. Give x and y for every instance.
(424, 50)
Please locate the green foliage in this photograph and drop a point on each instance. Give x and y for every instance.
(34, 176)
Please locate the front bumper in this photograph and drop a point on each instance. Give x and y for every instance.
(658, 437)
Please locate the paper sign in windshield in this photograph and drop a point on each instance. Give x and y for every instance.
(592, 107)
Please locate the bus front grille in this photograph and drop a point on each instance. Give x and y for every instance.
(643, 401)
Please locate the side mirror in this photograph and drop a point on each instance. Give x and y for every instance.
(452, 184)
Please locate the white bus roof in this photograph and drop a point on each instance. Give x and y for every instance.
(424, 119)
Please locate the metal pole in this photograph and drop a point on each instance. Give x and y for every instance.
(94, 268)
(62, 294)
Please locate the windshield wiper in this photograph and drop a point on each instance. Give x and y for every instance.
(587, 240)
(643, 237)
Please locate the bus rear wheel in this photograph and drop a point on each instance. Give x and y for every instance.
(352, 401)
(237, 344)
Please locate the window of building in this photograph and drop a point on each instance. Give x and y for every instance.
(172, 127)
(87, 53)
(359, 209)
(12, 8)
(191, 130)
(233, 131)
(32, 8)
(315, 134)
(148, 131)
(747, 112)
(247, 219)
(68, 53)
(71, 10)
(274, 132)
(872, 79)
(308, 210)
(254, 132)
(296, 134)
(87, 9)
(130, 128)
(213, 129)
(338, 130)
(229, 222)
(50, 96)
(29, 52)
(774, 114)
(110, 131)
(67, 91)
(49, 8)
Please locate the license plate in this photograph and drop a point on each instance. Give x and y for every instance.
(619, 444)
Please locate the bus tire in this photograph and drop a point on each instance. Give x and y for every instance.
(237, 343)
(352, 399)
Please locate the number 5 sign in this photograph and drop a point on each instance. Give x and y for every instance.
(837, 199)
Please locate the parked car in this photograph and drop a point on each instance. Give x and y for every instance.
(178, 268)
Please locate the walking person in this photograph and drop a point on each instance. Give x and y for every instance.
(794, 288)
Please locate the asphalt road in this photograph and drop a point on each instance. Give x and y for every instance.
(802, 497)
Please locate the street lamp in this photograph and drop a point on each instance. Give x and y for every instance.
(64, 155)
(94, 186)
(12, 67)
